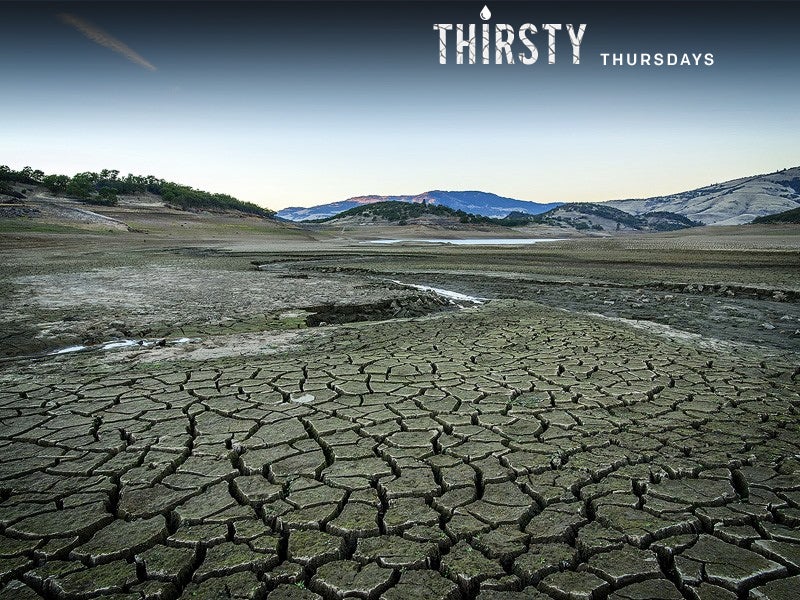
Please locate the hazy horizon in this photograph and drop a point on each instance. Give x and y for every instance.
(296, 104)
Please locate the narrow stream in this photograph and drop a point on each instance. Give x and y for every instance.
(449, 294)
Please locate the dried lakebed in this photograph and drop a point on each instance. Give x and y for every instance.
(505, 451)
(50, 312)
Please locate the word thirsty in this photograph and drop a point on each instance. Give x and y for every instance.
(504, 38)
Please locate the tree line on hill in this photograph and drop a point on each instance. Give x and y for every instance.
(787, 216)
(104, 187)
(400, 212)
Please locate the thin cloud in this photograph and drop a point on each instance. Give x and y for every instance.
(99, 36)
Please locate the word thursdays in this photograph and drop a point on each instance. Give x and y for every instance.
(504, 38)
(659, 59)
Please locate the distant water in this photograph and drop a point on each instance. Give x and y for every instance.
(470, 241)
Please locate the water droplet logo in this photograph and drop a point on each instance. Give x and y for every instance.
(486, 14)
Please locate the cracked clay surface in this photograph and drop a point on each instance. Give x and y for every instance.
(507, 451)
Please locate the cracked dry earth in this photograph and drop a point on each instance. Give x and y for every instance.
(511, 451)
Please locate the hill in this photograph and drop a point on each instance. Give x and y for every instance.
(473, 202)
(579, 217)
(586, 216)
(105, 188)
(787, 216)
(730, 203)
(404, 213)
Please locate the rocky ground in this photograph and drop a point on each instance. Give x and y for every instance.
(340, 436)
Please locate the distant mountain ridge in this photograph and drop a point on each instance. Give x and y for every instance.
(484, 204)
(585, 216)
(729, 203)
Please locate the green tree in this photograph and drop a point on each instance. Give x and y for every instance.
(57, 184)
(107, 196)
(81, 186)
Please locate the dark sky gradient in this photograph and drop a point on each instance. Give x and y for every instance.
(307, 102)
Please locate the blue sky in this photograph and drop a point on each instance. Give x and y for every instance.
(303, 103)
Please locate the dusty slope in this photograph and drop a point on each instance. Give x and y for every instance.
(729, 203)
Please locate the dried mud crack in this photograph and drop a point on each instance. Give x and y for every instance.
(509, 451)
